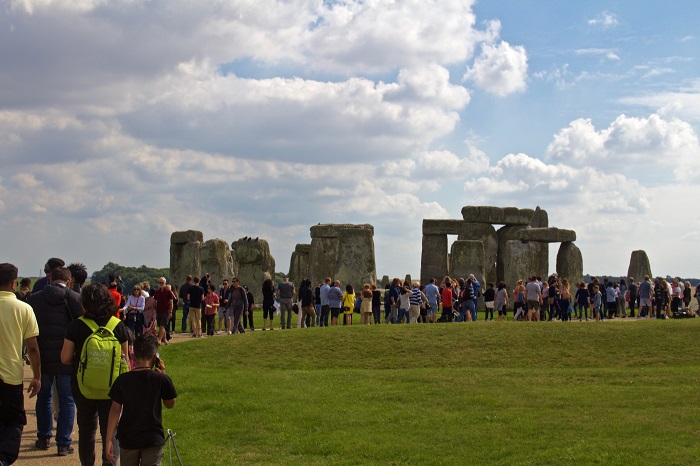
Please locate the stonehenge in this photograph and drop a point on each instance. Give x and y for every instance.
(247, 258)
(516, 250)
(639, 265)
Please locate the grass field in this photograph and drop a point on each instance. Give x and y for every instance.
(481, 393)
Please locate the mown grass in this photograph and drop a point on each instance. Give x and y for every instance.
(481, 393)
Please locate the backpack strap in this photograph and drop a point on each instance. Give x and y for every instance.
(90, 323)
(112, 324)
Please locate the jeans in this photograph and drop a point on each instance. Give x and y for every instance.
(12, 421)
(403, 313)
(377, 313)
(135, 322)
(89, 413)
(286, 307)
(210, 324)
(66, 409)
(474, 308)
(317, 307)
(248, 320)
(325, 311)
(185, 312)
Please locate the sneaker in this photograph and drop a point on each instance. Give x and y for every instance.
(43, 443)
(65, 450)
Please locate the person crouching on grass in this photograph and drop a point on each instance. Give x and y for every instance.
(136, 397)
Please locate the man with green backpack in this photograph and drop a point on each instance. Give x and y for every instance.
(97, 346)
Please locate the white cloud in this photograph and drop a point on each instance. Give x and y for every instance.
(683, 103)
(610, 54)
(500, 69)
(652, 147)
(604, 20)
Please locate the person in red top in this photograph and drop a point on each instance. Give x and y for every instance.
(164, 308)
(447, 301)
(211, 304)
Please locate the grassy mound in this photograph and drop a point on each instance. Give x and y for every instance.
(498, 393)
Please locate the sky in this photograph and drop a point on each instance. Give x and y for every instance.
(122, 121)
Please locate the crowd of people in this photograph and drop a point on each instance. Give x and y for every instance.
(49, 325)
(87, 365)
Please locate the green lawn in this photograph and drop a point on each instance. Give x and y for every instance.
(473, 393)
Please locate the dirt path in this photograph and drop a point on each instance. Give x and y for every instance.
(29, 455)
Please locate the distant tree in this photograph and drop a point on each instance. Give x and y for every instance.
(130, 275)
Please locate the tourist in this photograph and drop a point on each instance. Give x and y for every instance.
(611, 299)
(195, 295)
(432, 292)
(238, 304)
(660, 297)
(404, 310)
(687, 295)
(676, 297)
(184, 289)
(18, 326)
(597, 303)
(164, 308)
(285, 292)
(224, 295)
(325, 306)
(136, 399)
(534, 299)
(366, 305)
(646, 294)
(376, 304)
(306, 296)
(565, 300)
(394, 289)
(55, 307)
(414, 302)
(447, 298)
(211, 307)
(583, 300)
(476, 293)
(79, 273)
(519, 307)
(622, 298)
(489, 297)
(133, 310)
(45, 281)
(500, 301)
(268, 304)
(631, 296)
(25, 289)
(248, 314)
(348, 304)
(317, 304)
(335, 301)
(98, 305)
(466, 301)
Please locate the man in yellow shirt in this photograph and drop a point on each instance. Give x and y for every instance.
(17, 324)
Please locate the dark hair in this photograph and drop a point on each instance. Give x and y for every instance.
(97, 302)
(79, 272)
(501, 285)
(267, 284)
(212, 287)
(61, 274)
(348, 289)
(8, 274)
(52, 264)
(196, 279)
(145, 347)
(25, 282)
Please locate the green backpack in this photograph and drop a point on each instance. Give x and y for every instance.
(100, 360)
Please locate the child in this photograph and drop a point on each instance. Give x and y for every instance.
(597, 303)
(136, 397)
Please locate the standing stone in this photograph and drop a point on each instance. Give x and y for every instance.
(255, 264)
(408, 279)
(487, 235)
(639, 266)
(505, 234)
(570, 264)
(184, 255)
(524, 259)
(385, 281)
(434, 262)
(344, 252)
(540, 219)
(467, 257)
(299, 264)
(215, 258)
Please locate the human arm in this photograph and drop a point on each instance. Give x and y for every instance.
(35, 364)
(114, 412)
(67, 352)
(125, 351)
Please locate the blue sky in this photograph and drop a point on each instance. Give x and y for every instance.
(122, 121)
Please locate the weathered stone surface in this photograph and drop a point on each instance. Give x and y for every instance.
(434, 262)
(570, 263)
(540, 219)
(487, 234)
(184, 237)
(385, 281)
(215, 258)
(505, 234)
(547, 235)
(497, 215)
(332, 230)
(299, 264)
(344, 252)
(524, 259)
(442, 227)
(184, 260)
(467, 257)
(639, 266)
(255, 264)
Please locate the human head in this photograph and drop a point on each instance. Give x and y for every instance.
(432, 281)
(162, 282)
(501, 285)
(225, 282)
(136, 290)
(337, 283)
(267, 284)
(52, 264)
(8, 277)
(348, 288)
(212, 288)
(145, 347)
(196, 279)
(328, 280)
(188, 278)
(374, 286)
(79, 273)
(60, 274)
(97, 302)
(234, 282)
(26, 283)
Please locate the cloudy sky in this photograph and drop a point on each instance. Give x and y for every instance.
(122, 121)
